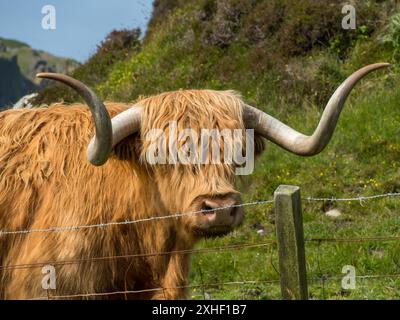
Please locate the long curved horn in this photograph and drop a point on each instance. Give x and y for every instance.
(108, 132)
(296, 142)
(98, 151)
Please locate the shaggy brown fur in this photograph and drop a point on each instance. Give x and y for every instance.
(46, 181)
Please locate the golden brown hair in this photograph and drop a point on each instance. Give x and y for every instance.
(46, 181)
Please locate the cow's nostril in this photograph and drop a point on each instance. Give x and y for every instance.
(207, 209)
(233, 212)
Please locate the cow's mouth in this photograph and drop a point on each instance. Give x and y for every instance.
(213, 231)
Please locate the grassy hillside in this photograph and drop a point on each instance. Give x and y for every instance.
(286, 57)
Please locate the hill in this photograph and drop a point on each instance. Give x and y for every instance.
(19, 64)
(286, 57)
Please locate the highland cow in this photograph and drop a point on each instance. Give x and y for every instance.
(48, 180)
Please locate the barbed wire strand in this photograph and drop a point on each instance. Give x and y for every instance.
(128, 222)
(272, 281)
(265, 243)
(178, 215)
(362, 277)
(359, 198)
(96, 294)
(140, 255)
(353, 239)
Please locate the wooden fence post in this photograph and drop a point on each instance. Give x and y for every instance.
(289, 229)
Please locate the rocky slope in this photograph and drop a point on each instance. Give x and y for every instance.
(18, 65)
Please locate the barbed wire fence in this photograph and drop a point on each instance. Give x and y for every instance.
(268, 243)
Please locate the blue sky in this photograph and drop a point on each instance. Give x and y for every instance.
(80, 24)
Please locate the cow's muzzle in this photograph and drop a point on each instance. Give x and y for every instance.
(219, 215)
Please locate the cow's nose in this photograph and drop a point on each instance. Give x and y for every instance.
(220, 211)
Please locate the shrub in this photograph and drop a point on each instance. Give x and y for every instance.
(222, 31)
(392, 37)
(119, 45)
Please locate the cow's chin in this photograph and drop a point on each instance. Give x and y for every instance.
(212, 232)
